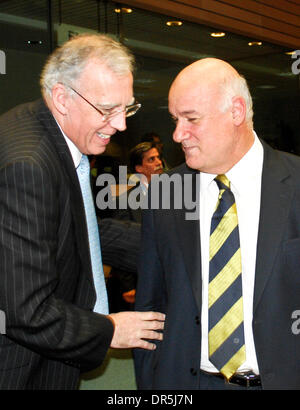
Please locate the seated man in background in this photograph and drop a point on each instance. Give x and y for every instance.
(144, 161)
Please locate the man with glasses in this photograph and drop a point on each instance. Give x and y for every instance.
(57, 323)
(106, 116)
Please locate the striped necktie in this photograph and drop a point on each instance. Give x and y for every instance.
(83, 172)
(225, 301)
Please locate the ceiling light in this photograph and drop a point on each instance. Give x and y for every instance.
(266, 87)
(290, 53)
(219, 34)
(288, 74)
(34, 42)
(174, 23)
(123, 10)
(255, 43)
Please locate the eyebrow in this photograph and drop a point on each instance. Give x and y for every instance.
(107, 106)
(189, 112)
(185, 113)
(112, 106)
(154, 156)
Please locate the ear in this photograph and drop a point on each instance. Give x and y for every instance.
(60, 98)
(238, 110)
(139, 169)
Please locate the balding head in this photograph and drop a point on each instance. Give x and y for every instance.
(217, 76)
(212, 69)
(212, 107)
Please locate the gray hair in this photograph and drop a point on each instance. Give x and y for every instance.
(67, 62)
(233, 86)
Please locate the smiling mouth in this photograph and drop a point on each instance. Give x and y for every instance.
(104, 136)
(188, 148)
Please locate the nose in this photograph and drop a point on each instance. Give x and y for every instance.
(119, 121)
(158, 162)
(180, 133)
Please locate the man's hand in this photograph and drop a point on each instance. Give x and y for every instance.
(131, 328)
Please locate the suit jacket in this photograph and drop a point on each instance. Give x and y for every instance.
(47, 290)
(125, 279)
(170, 282)
(120, 243)
(129, 213)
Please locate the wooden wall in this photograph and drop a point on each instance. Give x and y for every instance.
(276, 21)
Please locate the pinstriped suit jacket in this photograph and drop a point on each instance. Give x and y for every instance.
(46, 290)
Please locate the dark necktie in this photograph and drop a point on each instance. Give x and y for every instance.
(225, 299)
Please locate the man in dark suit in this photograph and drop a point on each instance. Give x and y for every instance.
(47, 287)
(212, 109)
(144, 161)
(156, 139)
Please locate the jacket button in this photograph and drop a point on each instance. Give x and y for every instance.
(197, 320)
(193, 371)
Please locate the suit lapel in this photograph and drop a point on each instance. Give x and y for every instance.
(77, 207)
(276, 195)
(189, 235)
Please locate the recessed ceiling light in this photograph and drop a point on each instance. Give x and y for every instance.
(266, 87)
(255, 43)
(174, 23)
(123, 10)
(219, 34)
(34, 42)
(290, 53)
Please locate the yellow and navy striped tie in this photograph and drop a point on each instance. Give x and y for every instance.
(225, 300)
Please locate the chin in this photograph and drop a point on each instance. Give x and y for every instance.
(99, 149)
(193, 163)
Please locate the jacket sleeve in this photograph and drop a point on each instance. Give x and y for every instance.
(36, 316)
(120, 243)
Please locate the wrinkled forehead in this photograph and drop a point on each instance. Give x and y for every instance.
(106, 88)
(190, 96)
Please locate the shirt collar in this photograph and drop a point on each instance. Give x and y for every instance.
(250, 167)
(250, 164)
(75, 153)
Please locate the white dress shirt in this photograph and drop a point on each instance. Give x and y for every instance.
(245, 178)
(75, 153)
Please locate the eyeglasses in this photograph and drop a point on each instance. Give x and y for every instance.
(130, 110)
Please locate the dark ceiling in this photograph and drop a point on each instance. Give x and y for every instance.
(161, 50)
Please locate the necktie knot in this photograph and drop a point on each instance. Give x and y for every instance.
(223, 185)
(84, 166)
(222, 182)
